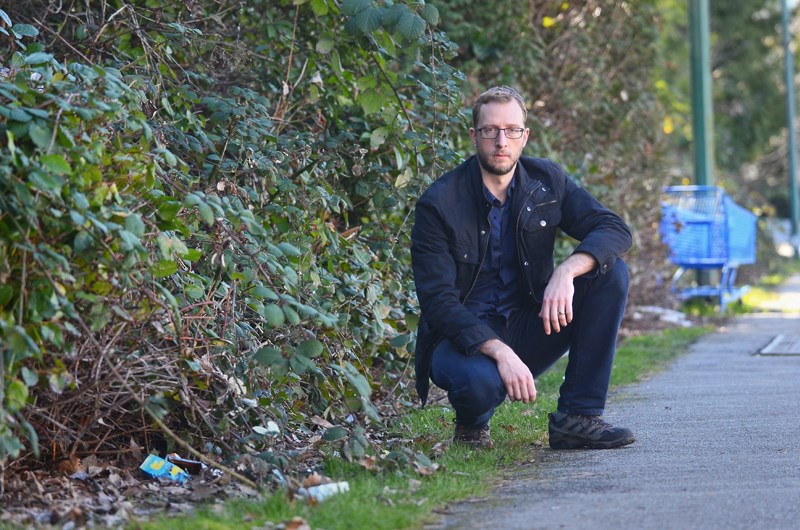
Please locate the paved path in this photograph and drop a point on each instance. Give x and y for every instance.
(718, 447)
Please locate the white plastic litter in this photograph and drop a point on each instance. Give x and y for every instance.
(323, 491)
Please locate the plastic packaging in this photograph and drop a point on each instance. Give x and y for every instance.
(323, 491)
(157, 467)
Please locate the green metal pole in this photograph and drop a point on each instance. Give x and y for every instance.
(702, 109)
(791, 140)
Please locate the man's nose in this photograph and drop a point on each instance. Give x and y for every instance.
(501, 138)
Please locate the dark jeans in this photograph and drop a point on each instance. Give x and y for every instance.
(473, 383)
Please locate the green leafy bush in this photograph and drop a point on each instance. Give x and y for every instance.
(209, 228)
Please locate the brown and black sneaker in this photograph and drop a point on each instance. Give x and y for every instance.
(474, 437)
(575, 431)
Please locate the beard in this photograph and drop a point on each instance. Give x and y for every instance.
(494, 168)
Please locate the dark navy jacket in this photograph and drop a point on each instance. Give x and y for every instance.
(451, 233)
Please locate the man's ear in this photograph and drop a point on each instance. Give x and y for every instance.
(473, 134)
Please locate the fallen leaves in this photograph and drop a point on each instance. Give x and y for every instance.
(105, 494)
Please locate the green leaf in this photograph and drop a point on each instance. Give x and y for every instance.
(391, 15)
(289, 249)
(430, 14)
(18, 114)
(21, 343)
(168, 209)
(16, 395)
(38, 58)
(378, 137)
(129, 241)
(357, 379)
(325, 45)
(300, 364)
(274, 315)
(191, 254)
(192, 200)
(40, 134)
(6, 292)
(164, 268)
(30, 377)
(26, 30)
(170, 158)
(400, 340)
(56, 164)
(290, 276)
(195, 292)
(266, 293)
(47, 182)
(369, 20)
(320, 7)
(371, 101)
(354, 7)
(366, 82)
(411, 26)
(291, 315)
(404, 178)
(310, 348)
(334, 433)
(356, 449)
(135, 225)
(273, 249)
(268, 356)
(82, 242)
(206, 213)
(4, 17)
(39, 113)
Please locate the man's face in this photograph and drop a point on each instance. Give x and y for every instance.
(499, 155)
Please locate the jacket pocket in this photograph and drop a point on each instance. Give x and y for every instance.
(464, 253)
(541, 218)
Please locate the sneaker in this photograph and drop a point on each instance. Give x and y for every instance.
(473, 437)
(568, 431)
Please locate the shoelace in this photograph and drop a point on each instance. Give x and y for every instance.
(598, 422)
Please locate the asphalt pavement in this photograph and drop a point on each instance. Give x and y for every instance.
(718, 445)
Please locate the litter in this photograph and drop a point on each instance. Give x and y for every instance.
(323, 491)
(193, 467)
(156, 467)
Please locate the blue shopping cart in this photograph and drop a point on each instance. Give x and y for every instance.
(705, 230)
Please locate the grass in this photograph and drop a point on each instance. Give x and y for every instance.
(402, 499)
(758, 297)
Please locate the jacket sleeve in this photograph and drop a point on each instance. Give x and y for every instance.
(436, 283)
(601, 232)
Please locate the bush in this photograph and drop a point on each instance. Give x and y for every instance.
(209, 229)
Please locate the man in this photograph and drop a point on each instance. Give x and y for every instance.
(495, 311)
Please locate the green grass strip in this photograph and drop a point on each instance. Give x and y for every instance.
(400, 498)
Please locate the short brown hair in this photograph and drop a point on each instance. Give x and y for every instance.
(498, 94)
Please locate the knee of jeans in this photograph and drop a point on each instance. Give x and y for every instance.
(480, 387)
(619, 276)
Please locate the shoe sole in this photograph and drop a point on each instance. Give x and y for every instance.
(573, 442)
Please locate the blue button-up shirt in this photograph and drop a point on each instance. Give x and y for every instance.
(496, 291)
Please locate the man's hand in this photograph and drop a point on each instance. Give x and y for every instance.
(556, 310)
(515, 375)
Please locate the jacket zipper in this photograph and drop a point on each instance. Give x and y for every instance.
(480, 262)
(517, 231)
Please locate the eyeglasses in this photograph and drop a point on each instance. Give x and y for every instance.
(490, 133)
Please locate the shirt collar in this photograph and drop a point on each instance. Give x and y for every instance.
(494, 201)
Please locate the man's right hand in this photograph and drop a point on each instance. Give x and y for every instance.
(514, 373)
